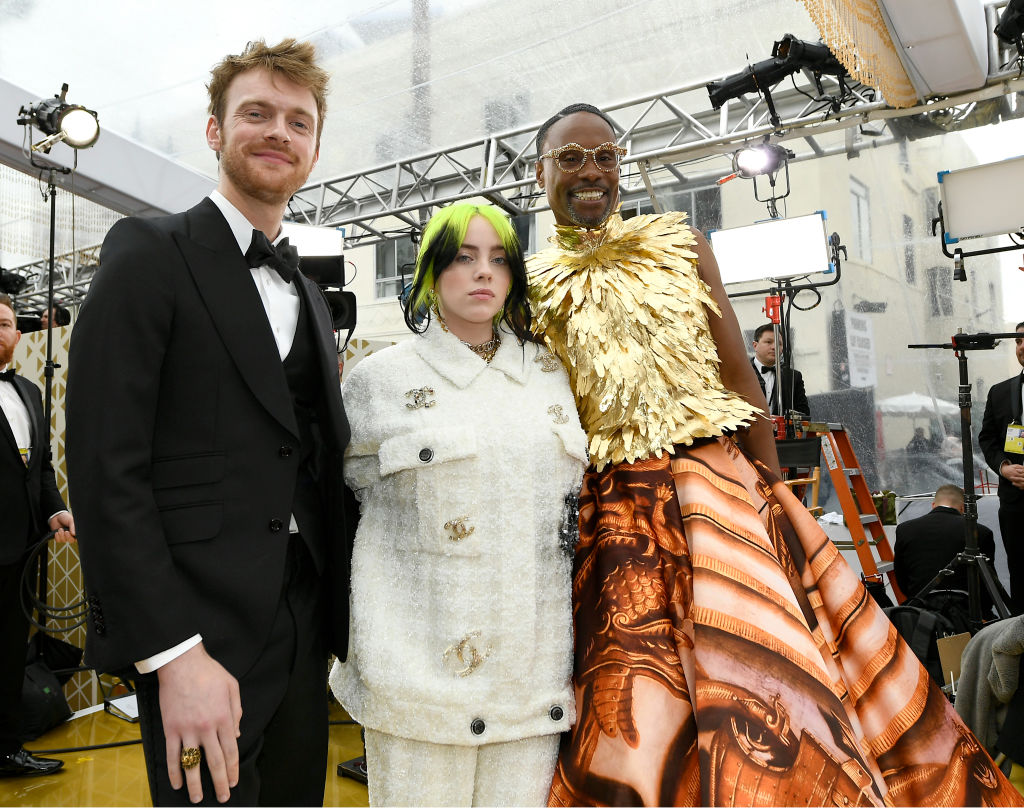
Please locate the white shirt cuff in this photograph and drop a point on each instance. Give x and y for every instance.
(154, 662)
(58, 512)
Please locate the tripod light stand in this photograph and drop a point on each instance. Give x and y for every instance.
(978, 566)
(78, 128)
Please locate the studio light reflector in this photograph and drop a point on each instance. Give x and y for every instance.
(73, 124)
(773, 249)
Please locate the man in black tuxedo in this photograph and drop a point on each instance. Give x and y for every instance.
(205, 437)
(793, 396)
(30, 504)
(927, 544)
(1003, 409)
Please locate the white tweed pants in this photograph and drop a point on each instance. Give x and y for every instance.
(410, 773)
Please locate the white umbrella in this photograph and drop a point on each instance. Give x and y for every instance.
(915, 404)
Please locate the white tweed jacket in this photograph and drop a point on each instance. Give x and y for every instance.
(461, 626)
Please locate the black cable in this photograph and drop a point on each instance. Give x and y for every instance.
(30, 603)
(97, 747)
(792, 300)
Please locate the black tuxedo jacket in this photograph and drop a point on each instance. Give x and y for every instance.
(794, 398)
(1001, 408)
(180, 441)
(28, 493)
(927, 544)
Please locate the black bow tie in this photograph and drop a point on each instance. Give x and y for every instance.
(766, 369)
(7, 376)
(282, 256)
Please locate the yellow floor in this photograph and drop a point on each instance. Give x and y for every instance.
(116, 777)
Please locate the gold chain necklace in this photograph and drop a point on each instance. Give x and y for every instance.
(485, 350)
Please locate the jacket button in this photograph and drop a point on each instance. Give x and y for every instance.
(426, 454)
(477, 727)
(284, 451)
(276, 525)
(556, 713)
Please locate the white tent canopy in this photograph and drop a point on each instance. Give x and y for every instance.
(915, 404)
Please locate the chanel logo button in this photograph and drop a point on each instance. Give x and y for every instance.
(276, 525)
(556, 713)
(477, 727)
(426, 454)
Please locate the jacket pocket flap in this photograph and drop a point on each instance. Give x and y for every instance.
(574, 440)
(425, 448)
(184, 471)
(187, 524)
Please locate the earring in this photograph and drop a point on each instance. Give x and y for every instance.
(436, 309)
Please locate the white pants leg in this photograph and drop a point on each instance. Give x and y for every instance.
(410, 773)
(517, 773)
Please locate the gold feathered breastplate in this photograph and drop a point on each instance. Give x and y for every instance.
(626, 311)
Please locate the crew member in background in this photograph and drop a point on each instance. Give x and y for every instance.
(29, 505)
(927, 544)
(1000, 440)
(763, 361)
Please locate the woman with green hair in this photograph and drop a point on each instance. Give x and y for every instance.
(466, 457)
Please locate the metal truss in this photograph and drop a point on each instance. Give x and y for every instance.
(666, 134)
(72, 271)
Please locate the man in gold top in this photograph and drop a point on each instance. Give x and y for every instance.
(725, 653)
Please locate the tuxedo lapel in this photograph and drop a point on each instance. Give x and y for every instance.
(225, 283)
(327, 355)
(1015, 399)
(760, 379)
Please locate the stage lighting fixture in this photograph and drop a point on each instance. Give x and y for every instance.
(812, 56)
(1010, 27)
(765, 158)
(73, 124)
(789, 55)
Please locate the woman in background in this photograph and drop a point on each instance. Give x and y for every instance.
(466, 457)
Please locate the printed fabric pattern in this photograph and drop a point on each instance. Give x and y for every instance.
(726, 655)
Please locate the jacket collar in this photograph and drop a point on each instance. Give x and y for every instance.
(453, 360)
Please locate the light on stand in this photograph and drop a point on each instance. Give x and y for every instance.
(73, 124)
(751, 161)
(78, 128)
(765, 159)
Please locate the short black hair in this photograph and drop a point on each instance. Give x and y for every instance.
(765, 327)
(1018, 326)
(564, 113)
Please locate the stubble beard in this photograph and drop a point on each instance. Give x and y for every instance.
(590, 222)
(252, 183)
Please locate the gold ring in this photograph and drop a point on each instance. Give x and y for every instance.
(190, 757)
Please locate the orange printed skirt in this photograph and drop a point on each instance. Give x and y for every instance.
(726, 655)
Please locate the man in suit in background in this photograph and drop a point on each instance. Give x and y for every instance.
(1002, 410)
(205, 437)
(927, 544)
(30, 504)
(763, 361)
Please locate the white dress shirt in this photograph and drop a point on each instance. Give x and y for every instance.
(17, 417)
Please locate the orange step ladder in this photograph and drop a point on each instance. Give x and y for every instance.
(858, 508)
